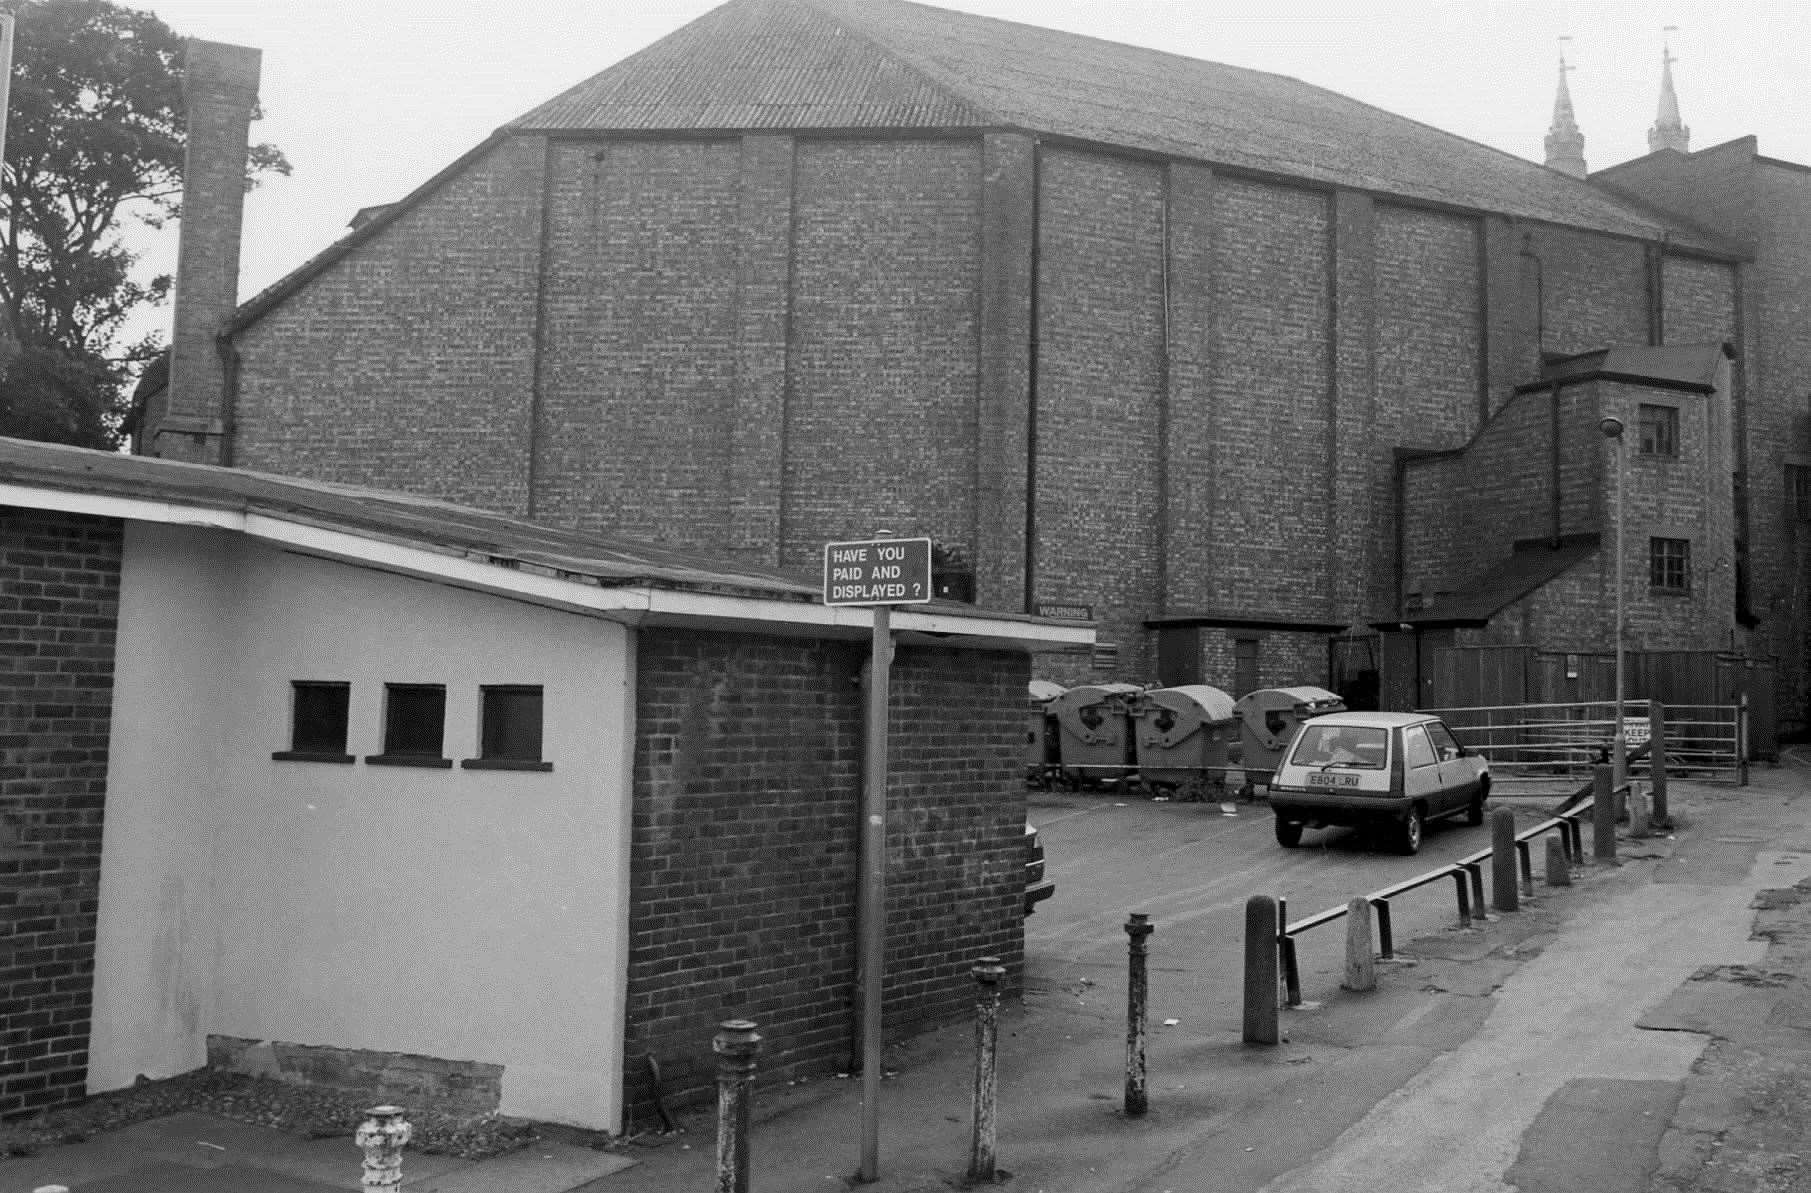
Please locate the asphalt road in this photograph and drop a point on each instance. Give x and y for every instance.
(1191, 867)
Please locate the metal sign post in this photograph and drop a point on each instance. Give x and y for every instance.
(881, 573)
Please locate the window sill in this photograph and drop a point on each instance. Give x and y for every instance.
(504, 764)
(409, 760)
(311, 756)
(1673, 593)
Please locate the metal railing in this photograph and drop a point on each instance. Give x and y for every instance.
(1466, 875)
(1536, 745)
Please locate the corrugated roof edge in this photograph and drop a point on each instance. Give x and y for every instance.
(445, 528)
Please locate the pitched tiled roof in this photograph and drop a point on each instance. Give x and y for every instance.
(850, 64)
(1533, 563)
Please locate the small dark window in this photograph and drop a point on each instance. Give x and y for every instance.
(952, 574)
(1670, 564)
(414, 725)
(509, 718)
(1659, 430)
(317, 722)
(1798, 492)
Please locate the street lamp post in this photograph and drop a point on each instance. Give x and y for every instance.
(1612, 428)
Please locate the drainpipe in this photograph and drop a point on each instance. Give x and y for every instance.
(1540, 298)
(1557, 527)
(1031, 416)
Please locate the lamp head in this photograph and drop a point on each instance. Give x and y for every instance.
(1611, 426)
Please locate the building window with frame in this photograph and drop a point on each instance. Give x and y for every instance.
(317, 721)
(1798, 492)
(509, 728)
(414, 725)
(1670, 565)
(1659, 427)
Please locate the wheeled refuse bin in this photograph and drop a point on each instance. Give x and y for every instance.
(1268, 718)
(1094, 732)
(1181, 736)
(1041, 755)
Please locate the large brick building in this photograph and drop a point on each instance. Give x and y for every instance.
(1188, 344)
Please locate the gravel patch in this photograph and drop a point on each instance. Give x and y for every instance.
(310, 1111)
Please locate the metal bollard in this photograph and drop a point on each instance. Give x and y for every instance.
(735, 1044)
(1638, 811)
(1503, 861)
(1138, 927)
(1361, 965)
(1657, 762)
(1261, 970)
(988, 972)
(1559, 870)
(1603, 815)
(382, 1136)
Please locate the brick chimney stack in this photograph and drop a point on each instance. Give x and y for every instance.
(220, 85)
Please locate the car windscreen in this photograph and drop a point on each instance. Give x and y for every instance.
(1359, 746)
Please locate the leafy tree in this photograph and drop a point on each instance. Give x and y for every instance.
(94, 148)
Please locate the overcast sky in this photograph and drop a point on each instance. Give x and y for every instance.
(370, 98)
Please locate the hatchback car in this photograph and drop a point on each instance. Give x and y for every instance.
(1037, 887)
(1396, 771)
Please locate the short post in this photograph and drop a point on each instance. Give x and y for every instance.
(1138, 927)
(1261, 970)
(735, 1044)
(1742, 740)
(988, 971)
(1657, 761)
(1503, 885)
(381, 1137)
(1292, 976)
(1603, 815)
(1638, 811)
(1559, 870)
(1361, 966)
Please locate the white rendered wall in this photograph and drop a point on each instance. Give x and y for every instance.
(462, 914)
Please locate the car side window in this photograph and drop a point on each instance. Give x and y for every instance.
(1445, 745)
(1415, 748)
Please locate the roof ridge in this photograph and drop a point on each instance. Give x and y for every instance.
(846, 10)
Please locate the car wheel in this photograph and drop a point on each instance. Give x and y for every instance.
(1289, 833)
(1474, 812)
(1409, 840)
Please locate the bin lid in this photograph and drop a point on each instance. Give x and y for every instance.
(1086, 695)
(1213, 706)
(1316, 700)
(1043, 691)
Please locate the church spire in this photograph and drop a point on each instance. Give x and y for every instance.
(1668, 132)
(1565, 144)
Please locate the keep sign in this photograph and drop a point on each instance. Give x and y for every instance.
(878, 572)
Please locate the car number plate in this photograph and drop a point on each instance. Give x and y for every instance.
(1321, 778)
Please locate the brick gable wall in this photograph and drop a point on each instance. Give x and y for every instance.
(755, 344)
(59, 611)
(638, 374)
(1776, 370)
(1099, 393)
(746, 831)
(881, 414)
(409, 364)
(1273, 463)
